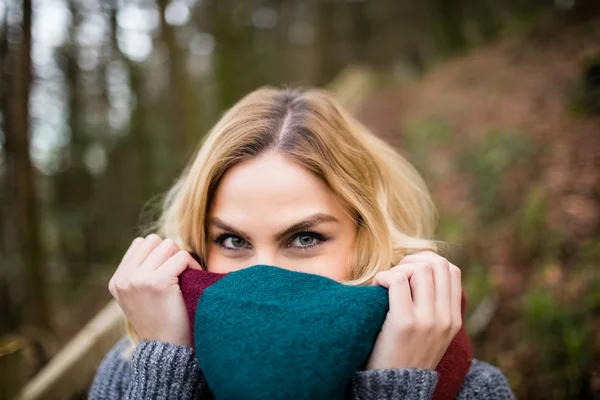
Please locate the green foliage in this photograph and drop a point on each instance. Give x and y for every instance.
(431, 131)
(559, 322)
(423, 136)
(519, 26)
(534, 236)
(544, 313)
(590, 251)
(451, 228)
(585, 97)
(544, 331)
(477, 285)
(486, 161)
(532, 215)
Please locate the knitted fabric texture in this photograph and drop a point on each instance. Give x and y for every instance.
(166, 371)
(301, 335)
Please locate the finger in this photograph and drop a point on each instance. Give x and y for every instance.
(159, 255)
(442, 284)
(441, 276)
(175, 265)
(135, 260)
(456, 294)
(124, 267)
(407, 268)
(400, 298)
(410, 269)
(423, 291)
(112, 288)
(125, 260)
(131, 250)
(421, 256)
(150, 243)
(384, 278)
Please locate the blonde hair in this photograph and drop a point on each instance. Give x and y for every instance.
(394, 211)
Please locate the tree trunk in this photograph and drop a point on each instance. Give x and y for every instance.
(447, 25)
(183, 96)
(226, 45)
(324, 43)
(74, 181)
(10, 309)
(22, 180)
(138, 129)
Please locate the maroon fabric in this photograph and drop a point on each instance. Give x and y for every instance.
(192, 283)
(456, 362)
(452, 369)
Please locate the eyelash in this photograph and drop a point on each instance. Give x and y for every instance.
(319, 237)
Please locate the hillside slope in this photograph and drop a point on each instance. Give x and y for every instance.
(512, 154)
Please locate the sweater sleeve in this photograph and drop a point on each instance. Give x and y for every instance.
(156, 370)
(482, 382)
(394, 383)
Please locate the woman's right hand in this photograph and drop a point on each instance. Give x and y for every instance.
(424, 315)
(146, 286)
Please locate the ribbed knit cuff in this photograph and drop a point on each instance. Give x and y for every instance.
(394, 383)
(112, 375)
(162, 370)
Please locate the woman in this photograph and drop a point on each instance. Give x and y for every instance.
(288, 178)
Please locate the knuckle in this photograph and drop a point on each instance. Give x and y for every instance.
(405, 259)
(121, 286)
(457, 324)
(408, 324)
(445, 325)
(426, 268)
(137, 283)
(157, 286)
(379, 279)
(455, 328)
(152, 237)
(439, 265)
(400, 277)
(171, 246)
(426, 325)
(443, 263)
(455, 270)
(439, 257)
(409, 258)
(183, 255)
(404, 325)
(111, 286)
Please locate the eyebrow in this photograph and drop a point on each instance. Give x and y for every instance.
(299, 226)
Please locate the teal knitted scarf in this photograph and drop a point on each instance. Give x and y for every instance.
(268, 333)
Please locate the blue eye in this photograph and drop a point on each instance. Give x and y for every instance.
(304, 241)
(231, 242)
(307, 240)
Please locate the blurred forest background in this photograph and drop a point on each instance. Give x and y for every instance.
(497, 102)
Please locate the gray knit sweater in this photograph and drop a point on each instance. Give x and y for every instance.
(159, 370)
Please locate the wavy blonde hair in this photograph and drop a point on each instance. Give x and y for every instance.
(394, 211)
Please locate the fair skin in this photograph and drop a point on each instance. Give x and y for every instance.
(270, 210)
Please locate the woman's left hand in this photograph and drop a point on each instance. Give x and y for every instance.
(424, 292)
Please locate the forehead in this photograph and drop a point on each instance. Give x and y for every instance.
(269, 187)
